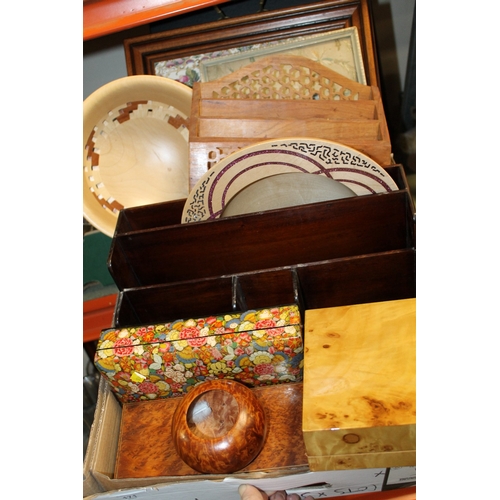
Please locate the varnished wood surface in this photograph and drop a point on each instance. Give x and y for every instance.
(261, 129)
(145, 447)
(333, 110)
(168, 213)
(258, 78)
(263, 266)
(275, 238)
(367, 278)
(150, 216)
(248, 106)
(219, 427)
(359, 385)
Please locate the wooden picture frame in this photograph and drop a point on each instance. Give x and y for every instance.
(144, 53)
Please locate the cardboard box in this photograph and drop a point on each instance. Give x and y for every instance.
(99, 464)
(359, 407)
(354, 253)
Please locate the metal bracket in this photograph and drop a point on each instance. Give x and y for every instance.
(222, 14)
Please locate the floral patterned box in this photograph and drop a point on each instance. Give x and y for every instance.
(256, 347)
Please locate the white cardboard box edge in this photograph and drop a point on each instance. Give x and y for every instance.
(101, 455)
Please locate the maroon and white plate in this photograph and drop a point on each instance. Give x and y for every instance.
(242, 168)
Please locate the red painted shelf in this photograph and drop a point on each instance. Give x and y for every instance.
(97, 315)
(103, 17)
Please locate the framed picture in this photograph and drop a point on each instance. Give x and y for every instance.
(187, 54)
(338, 50)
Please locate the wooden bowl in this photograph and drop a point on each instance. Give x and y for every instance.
(135, 146)
(219, 427)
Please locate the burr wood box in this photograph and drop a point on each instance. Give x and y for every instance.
(359, 408)
(142, 454)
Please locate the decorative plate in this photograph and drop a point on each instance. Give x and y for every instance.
(285, 190)
(135, 146)
(238, 170)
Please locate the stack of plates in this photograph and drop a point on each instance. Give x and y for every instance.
(272, 174)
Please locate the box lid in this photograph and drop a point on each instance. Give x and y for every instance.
(360, 380)
(266, 320)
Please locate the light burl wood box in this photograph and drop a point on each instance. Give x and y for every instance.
(359, 406)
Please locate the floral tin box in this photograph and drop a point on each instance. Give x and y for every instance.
(256, 347)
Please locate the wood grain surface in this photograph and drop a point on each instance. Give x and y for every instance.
(284, 96)
(134, 147)
(219, 427)
(332, 229)
(360, 385)
(145, 447)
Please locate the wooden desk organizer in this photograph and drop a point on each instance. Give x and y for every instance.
(325, 254)
(283, 96)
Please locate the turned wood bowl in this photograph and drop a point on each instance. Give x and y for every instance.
(135, 146)
(219, 427)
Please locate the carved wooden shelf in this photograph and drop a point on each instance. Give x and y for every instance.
(283, 96)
